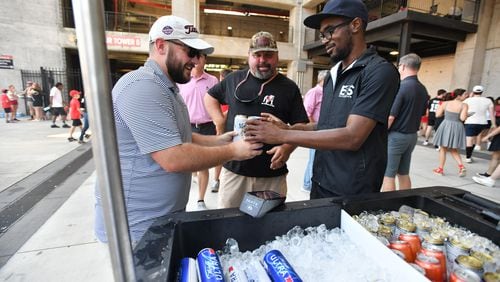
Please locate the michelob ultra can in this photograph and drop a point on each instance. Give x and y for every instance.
(187, 270)
(209, 267)
(279, 268)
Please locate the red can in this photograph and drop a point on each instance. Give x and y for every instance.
(414, 241)
(431, 266)
(463, 275)
(436, 252)
(404, 247)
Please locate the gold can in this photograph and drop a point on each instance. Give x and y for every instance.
(469, 262)
(482, 256)
(491, 277)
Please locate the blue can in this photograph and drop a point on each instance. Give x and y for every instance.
(187, 270)
(279, 268)
(209, 267)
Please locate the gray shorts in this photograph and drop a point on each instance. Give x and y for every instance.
(399, 149)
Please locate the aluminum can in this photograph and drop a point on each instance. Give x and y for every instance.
(404, 247)
(414, 241)
(463, 275)
(454, 248)
(491, 277)
(239, 127)
(278, 268)
(431, 266)
(403, 226)
(237, 275)
(436, 240)
(255, 272)
(384, 231)
(187, 270)
(470, 263)
(209, 267)
(436, 252)
(418, 268)
(389, 220)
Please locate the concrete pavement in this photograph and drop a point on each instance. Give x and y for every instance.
(61, 245)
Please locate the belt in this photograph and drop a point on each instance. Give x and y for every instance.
(200, 125)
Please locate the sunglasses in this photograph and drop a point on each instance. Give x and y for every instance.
(237, 89)
(191, 51)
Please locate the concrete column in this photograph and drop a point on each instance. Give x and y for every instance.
(470, 55)
(187, 9)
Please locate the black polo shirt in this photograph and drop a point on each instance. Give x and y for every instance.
(280, 97)
(409, 106)
(367, 89)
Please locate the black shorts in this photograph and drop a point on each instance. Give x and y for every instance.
(77, 122)
(204, 128)
(432, 119)
(58, 111)
(7, 110)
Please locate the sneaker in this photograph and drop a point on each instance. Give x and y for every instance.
(438, 171)
(483, 174)
(426, 142)
(468, 160)
(461, 171)
(71, 139)
(215, 186)
(87, 136)
(54, 126)
(437, 148)
(66, 126)
(200, 206)
(486, 181)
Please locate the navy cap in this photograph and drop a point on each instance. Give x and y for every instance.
(339, 8)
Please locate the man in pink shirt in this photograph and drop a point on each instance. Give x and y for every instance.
(193, 93)
(312, 103)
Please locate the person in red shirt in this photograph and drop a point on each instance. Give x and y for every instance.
(6, 105)
(74, 113)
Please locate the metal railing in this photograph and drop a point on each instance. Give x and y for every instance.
(463, 10)
(241, 27)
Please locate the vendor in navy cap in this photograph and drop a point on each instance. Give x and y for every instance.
(351, 133)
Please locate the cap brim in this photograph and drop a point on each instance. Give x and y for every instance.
(198, 44)
(314, 21)
(255, 50)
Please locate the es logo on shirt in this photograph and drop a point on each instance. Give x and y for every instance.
(346, 91)
(268, 100)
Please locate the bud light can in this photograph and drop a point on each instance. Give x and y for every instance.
(279, 268)
(209, 267)
(187, 270)
(239, 127)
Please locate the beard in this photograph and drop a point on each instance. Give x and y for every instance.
(176, 70)
(264, 75)
(342, 52)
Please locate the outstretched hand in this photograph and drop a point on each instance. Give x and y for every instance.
(264, 131)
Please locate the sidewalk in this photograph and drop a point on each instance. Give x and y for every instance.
(64, 247)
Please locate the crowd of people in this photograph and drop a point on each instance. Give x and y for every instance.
(56, 107)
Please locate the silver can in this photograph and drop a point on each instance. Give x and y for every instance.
(239, 126)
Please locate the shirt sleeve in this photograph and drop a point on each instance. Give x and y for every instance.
(217, 92)
(379, 85)
(147, 110)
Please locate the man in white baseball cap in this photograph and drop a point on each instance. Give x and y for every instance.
(157, 148)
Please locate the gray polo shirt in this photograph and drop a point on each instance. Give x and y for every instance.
(150, 116)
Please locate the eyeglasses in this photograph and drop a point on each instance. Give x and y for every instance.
(258, 94)
(330, 30)
(191, 51)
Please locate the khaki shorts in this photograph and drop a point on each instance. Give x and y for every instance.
(234, 186)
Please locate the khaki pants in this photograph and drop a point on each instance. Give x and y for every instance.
(234, 186)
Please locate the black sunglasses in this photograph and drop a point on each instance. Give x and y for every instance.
(236, 90)
(330, 30)
(191, 51)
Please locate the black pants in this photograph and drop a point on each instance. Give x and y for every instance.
(318, 192)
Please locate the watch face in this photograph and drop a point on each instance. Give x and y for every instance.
(267, 195)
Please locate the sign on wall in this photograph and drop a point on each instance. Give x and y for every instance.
(6, 62)
(123, 41)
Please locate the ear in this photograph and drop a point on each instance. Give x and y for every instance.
(161, 46)
(357, 25)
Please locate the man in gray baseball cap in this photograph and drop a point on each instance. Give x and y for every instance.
(351, 133)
